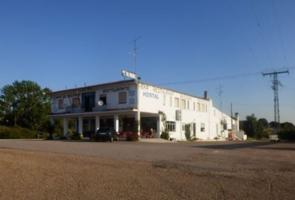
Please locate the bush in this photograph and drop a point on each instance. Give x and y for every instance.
(16, 133)
(62, 137)
(76, 136)
(165, 135)
(287, 135)
(132, 136)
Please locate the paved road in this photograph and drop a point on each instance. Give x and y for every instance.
(116, 150)
(136, 150)
(134, 170)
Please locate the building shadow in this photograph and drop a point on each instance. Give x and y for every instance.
(235, 145)
(288, 148)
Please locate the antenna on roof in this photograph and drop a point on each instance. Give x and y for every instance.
(129, 75)
(134, 52)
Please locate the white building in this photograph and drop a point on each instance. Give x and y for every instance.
(124, 103)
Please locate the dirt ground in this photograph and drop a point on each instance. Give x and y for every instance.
(252, 170)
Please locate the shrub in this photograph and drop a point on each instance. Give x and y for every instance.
(16, 133)
(132, 136)
(76, 136)
(62, 137)
(287, 135)
(165, 135)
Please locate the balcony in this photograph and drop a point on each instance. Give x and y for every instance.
(71, 109)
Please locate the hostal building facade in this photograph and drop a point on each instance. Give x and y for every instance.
(132, 105)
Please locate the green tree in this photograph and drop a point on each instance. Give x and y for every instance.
(263, 122)
(25, 104)
(250, 125)
(263, 130)
(287, 126)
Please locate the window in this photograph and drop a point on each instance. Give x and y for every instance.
(199, 107)
(217, 133)
(76, 102)
(88, 101)
(178, 115)
(122, 97)
(183, 104)
(194, 106)
(203, 107)
(61, 104)
(194, 129)
(176, 102)
(202, 127)
(183, 127)
(225, 126)
(170, 126)
(188, 105)
(103, 98)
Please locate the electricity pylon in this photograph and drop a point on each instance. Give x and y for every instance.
(275, 87)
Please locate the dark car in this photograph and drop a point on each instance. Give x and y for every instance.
(106, 134)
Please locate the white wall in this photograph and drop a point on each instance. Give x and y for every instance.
(153, 99)
(111, 94)
(113, 97)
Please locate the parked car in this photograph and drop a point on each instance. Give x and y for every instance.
(274, 138)
(106, 134)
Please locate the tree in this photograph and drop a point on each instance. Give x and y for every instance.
(25, 104)
(263, 130)
(250, 125)
(263, 122)
(287, 126)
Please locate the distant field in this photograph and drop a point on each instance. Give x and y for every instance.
(87, 170)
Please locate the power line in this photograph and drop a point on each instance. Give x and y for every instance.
(218, 78)
(280, 34)
(275, 86)
(248, 41)
(260, 32)
(232, 76)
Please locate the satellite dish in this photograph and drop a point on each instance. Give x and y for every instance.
(100, 103)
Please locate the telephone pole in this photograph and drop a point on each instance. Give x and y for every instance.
(275, 87)
(220, 92)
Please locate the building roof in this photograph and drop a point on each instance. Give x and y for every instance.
(122, 82)
(94, 86)
(184, 93)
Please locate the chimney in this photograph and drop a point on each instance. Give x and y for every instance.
(205, 94)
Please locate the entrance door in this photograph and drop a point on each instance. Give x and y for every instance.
(149, 126)
(107, 122)
(188, 131)
(88, 127)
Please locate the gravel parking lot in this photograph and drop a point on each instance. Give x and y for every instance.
(32, 169)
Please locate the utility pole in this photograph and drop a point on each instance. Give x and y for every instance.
(275, 87)
(231, 115)
(220, 92)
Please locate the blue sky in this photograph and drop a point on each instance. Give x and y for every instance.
(68, 43)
